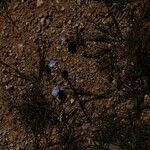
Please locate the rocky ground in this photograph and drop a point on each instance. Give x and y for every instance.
(31, 35)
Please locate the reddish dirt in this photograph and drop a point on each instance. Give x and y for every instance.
(21, 24)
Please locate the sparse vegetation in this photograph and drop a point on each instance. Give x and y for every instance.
(82, 87)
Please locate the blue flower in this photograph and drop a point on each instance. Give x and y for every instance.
(52, 63)
(55, 91)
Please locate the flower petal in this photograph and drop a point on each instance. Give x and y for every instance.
(52, 63)
(55, 91)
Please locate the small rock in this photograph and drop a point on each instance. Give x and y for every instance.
(47, 22)
(39, 3)
(57, 1)
(3, 133)
(53, 31)
(50, 13)
(79, 2)
(62, 8)
(81, 80)
(8, 87)
(38, 29)
(15, 6)
(4, 27)
(27, 23)
(11, 145)
(146, 100)
(42, 21)
(114, 82)
(40, 15)
(109, 45)
(72, 100)
(20, 46)
(69, 22)
(130, 106)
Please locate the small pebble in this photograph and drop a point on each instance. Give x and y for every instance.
(79, 2)
(72, 100)
(69, 22)
(8, 87)
(42, 21)
(62, 8)
(39, 3)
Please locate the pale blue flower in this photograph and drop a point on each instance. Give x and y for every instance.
(52, 63)
(55, 91)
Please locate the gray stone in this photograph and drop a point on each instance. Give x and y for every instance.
(9, 87)
(42, 21)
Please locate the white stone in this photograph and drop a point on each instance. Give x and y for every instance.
(62, 8)
(72, 100)
(39, 3)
